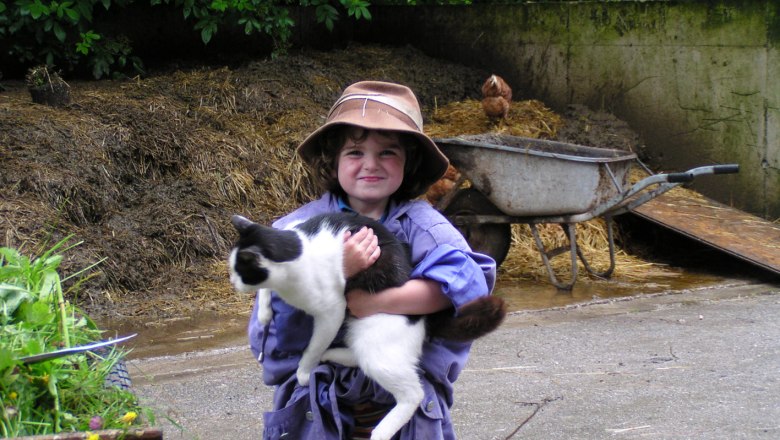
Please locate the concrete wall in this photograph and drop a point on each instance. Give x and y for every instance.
(698, 80)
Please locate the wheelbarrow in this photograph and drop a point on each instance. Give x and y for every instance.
(533, 181)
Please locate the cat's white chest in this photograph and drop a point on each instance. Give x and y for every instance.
(315, 281)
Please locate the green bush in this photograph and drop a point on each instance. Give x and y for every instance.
(62, 32)
(62, 394)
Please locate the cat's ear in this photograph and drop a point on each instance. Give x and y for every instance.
(240, 223)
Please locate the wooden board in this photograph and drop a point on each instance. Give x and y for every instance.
(109, 434)
(733, 231)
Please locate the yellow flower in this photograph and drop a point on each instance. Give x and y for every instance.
(129, 417)
(91, 436)
(12, 395)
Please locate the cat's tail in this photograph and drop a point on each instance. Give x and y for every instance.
(474, 320)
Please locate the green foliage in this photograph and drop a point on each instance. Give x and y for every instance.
(61, 394)
(62, 32)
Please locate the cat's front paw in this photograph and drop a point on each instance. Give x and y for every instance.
(303, 377)
(264, 310)
(264, 315)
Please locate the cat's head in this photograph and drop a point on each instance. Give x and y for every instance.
(258, 253)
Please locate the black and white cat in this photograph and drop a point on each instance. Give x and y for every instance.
(303, 265)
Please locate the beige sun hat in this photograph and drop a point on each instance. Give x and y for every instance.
(380, 105)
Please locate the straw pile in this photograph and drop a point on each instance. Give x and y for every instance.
(147, 172)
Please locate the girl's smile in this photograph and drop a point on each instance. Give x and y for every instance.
(370, 170)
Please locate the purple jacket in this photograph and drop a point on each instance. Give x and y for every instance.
(440, 253)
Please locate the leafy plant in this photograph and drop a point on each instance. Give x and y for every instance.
(62, 32)
(61, 394)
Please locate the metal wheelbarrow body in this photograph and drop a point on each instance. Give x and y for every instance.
(534, 181)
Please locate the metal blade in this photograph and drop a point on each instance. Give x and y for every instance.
(73, 350)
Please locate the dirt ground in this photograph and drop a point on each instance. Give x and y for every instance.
(145, 173)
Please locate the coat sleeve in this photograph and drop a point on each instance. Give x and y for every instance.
(463, 275)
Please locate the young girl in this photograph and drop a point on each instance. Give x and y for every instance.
(372, 157)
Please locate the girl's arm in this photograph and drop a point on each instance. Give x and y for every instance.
(416, 297)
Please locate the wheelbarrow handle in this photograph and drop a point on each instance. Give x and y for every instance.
(689, 175)
(679, 177)
(726, 169)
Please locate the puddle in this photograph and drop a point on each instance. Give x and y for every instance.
(535, 295)
(174, 336)
(208, 330)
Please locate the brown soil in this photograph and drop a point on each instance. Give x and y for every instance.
(145, 173)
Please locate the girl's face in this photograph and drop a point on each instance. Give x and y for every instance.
(370, 170)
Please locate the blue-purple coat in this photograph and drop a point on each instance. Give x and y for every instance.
(440, 253)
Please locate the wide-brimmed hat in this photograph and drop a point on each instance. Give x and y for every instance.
(377, 105)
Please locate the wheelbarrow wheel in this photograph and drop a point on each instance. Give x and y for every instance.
(492, 239)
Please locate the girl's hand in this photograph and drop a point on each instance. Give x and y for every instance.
(361, 250)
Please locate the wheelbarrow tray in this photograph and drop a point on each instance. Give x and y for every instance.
(527, 177)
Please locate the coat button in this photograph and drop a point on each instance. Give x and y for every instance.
(309, 416)
(429, 407)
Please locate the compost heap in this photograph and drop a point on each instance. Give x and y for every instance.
(145, 173)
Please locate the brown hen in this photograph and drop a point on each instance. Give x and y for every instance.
(496, 96)
(443, 186)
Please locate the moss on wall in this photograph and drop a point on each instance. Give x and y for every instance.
(695, 78)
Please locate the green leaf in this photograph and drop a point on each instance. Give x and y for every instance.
(219, 5)
(11, 297)
(37, 9)
(33, 346)
(73, 15)
(37, 313)
(49, 284)
(8, 368)
(85, 10)
(53, 385)
(59, 32)
(6, 359)
(206, 34)
(10, 255)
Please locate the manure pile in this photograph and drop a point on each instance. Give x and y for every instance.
(146, 173)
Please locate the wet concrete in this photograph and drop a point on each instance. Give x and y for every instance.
(694, 362)
(207, 330)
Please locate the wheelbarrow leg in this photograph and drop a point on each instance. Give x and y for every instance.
(611, 239)
(546, 255)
